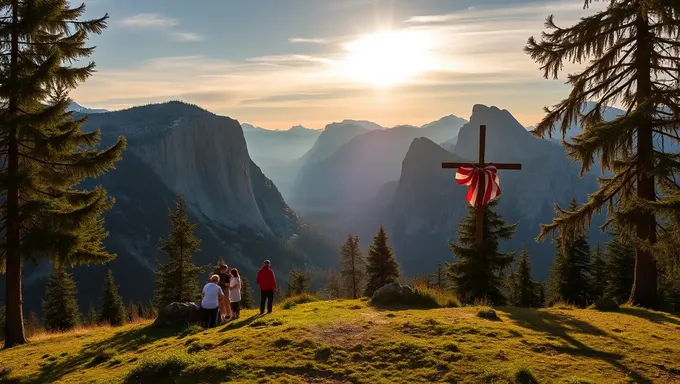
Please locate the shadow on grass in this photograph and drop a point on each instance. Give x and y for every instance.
(560, 326)
(654, 317)
(236, 324)
(97, 353)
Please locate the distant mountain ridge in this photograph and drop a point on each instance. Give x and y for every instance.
(75, 107)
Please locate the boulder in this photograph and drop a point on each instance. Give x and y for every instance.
(178, 315)
(393, 294)
(487, 313)
(605, 305)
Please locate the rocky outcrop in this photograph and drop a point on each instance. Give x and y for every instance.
(177, 315)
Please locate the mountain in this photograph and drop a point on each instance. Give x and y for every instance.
(333, 136)
(178, 148)
(429, 204)
(444, 129)
(75, 107)
(358, 169)
(277, 151)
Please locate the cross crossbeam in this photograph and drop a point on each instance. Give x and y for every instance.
(481, 164)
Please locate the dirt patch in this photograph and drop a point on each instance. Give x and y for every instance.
(344, 334)
(545, 349)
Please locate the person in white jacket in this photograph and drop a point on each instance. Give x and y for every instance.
(235, 293)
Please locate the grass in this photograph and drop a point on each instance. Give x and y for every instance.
(423, 297)
(351, 342)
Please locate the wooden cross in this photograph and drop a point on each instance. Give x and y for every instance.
(482, 187)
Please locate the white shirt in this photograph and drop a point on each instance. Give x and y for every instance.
(211, 296)
(235, 289)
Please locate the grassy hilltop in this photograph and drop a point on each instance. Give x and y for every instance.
(350, 342)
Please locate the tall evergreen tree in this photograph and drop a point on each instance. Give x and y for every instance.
(353, 266)
(569, 275)
(632, 53)
(247, 300)
(439, 277)
(177, 281)
(478, 272)
(298, 283)
(60, 307)
(620, 261)
(598, 274)
(381, 268)
(141, 311)
(113, 311)
(523, 290)
(46, 155)
(91, 316)
(334, 286)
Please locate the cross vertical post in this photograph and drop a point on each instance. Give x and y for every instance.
(481, 190)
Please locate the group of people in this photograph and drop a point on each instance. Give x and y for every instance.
(219, 306)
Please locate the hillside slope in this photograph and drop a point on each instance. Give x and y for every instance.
(347, 342)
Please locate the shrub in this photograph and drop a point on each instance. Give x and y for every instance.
(299, 299)
(422, 297)
(524, 376)
(563, 305)
(487, 313)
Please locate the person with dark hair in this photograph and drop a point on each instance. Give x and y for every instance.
(235, 293)
(225, 276)
(212, 293)
(266, 280)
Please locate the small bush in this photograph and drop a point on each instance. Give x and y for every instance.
(563, 305)
(160, 367)
(422, 298)
(299, 299)
(524, 376)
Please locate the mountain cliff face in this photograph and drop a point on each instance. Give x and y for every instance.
(176, 148)
(445, 129)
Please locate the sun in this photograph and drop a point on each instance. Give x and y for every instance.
(388, 57)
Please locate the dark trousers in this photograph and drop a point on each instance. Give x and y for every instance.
(236, 309)
(268, 297)
(210, 317)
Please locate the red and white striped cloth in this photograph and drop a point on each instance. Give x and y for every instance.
(470, 176)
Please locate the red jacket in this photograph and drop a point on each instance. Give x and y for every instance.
(266, 279)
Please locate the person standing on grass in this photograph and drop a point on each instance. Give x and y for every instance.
(266, 280)
(225, 276)
(212, 293)
(235, 293)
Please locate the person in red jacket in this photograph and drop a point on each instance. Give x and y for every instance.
(266, 280)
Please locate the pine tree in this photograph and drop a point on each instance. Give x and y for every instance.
(541, 294)
(353, 266)
(669, 265)
(298, 283)
(60, 307)
(91, 317)
(632, 53)
(440, 276)
(381, 268)
(523, 290)
(477, 273)
(46, 155)
(141, 311)
(131, 311)
(334, 286)
(33, 324)
(620, 263)
(598, 274)
(247, 300)
(177, 281)
(113, 311)
(569, 276)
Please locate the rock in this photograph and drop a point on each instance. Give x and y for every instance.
(178, 315)
(487, 313)
(394, 294)
(389, 289)
(605, 305)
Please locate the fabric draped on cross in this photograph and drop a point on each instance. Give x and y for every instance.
(471, 175)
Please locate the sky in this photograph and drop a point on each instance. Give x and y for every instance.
(279, 63)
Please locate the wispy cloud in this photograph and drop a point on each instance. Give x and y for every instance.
(162, 23)
(148, 20)
(312, 40)
(187, 36)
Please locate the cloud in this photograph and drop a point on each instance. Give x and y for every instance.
(148, 20)
(187, 36)
(313, 40)
(162, 23)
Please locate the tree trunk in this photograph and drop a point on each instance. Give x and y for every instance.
(645, 292)
(14, 323)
